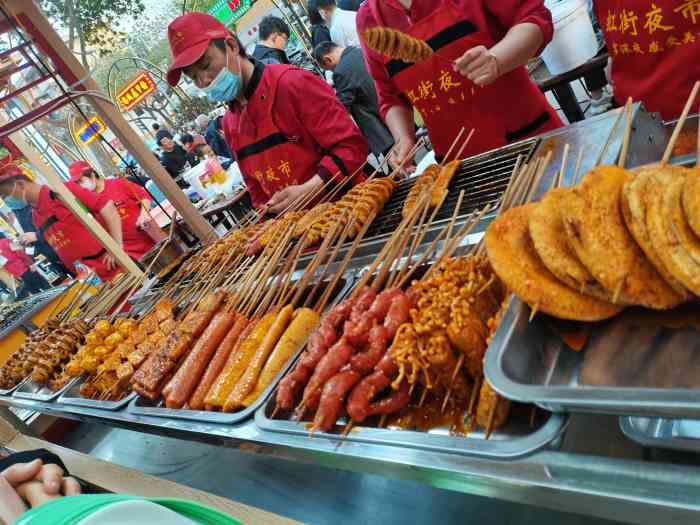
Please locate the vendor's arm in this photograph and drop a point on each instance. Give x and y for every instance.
(523, 28)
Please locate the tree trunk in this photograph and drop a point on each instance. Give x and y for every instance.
(70, 16)
(83, 51)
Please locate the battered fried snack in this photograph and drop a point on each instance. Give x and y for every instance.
(515, 261)
(423, 182)
(442, 182)
(549, 239)
(691, 199)
(597, 233)
(678, 261)
(633, 204)
(395, 44)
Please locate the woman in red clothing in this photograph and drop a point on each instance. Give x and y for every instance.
(131, 201)
(654, 47)
(475, 79)
(20, 266)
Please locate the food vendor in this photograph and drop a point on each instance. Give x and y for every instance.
(131, 200)
(21, 266)
(288, 132)
(654, 48)
(475, 79)
(61, 229)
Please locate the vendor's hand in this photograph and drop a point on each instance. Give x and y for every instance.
(27, 238)
(110, 261)
(49, 484)
(11, 504)
(401, 150)
(143, 218)
(479, 65)
(284, 198)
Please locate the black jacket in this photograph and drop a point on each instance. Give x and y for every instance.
(354, 87)
(215, 140)
(174, 161)
(270, 55)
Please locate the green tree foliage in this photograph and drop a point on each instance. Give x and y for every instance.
(191, 107)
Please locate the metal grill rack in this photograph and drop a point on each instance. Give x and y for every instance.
(15, 314)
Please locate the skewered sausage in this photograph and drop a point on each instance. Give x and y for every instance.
(334, 392)
(338, 355)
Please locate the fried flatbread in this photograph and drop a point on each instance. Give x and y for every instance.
(515, 261)
(691, 199)
(665, 193)
(633, 204)
(597, 233)
(549, 239)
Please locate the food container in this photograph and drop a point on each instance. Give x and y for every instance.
(28, 389)
(675, 434)
(632, 364)
(71, 396)
(8, 391)
(143, 406)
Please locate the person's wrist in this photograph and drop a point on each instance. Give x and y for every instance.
(313, 183)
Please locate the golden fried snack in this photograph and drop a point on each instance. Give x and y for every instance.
(597, 233)
(549, 239)
(633, 203)
(515, 261)
(442, 182)
(395, 44)
(691, 199)
(663, 197)
(423, 182)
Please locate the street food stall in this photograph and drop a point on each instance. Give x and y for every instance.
(410, 328)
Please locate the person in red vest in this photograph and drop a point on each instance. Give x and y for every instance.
(131, 201)
(61, 229)
(475, 78)
(654, 47)
(288, 132)
(21, 266)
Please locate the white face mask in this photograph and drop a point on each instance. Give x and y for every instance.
(88, 184)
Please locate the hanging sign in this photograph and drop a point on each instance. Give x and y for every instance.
(136, 90)
(90, 131)
(229, 11)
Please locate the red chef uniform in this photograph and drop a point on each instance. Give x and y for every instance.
(65, 233)
(127, 197)
(291, 128)
(18, 262)
(510, 109)
(654, 48)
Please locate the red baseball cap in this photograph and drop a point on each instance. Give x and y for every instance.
(10, 171)
(189, 36)
(77, 169)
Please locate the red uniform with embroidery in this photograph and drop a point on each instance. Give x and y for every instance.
(64, 232)
(291, 128)
(510, 109)
(654, 48)
(18, 262)
(127, 197)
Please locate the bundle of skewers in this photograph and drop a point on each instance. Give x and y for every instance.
(619, 238)
(398, 352)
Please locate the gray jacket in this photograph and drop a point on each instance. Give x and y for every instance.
(354, 87)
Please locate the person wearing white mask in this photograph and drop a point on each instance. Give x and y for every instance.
(340, 22)
(288, 132)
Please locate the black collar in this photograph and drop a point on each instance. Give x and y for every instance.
(258, 69)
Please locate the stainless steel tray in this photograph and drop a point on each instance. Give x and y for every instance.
(28, 389)
(8, 391)
(515, 439)
(676, 434)
(629, 366)
(142, 406)
(72, 397)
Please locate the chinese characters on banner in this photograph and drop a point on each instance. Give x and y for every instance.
(655, 29)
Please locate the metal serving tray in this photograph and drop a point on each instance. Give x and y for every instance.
(142, 406)
(515, 439)
(72, 397)
(676, 434)
(8, 391)
(631, 365)
(28, 389)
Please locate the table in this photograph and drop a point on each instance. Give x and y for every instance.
(560, 85)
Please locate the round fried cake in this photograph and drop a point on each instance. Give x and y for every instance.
(515, 261)
(549, 239)
(691, 199)
(664, 196)
(633, 204)
(597, 233)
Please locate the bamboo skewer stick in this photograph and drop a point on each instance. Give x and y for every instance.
(577, 168)
(286, 287)
(604, 150)
(679, 125)
(557, 181)
(628, 133)
(452, 146)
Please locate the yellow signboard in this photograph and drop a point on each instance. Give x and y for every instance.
(136, 90)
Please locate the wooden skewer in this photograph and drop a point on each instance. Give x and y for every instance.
(577, 168)
(287, 289)
(475, 395)
(492, 417)
(511, 183)
(604, 150)
(347, 429)
(458, 367)
(559, 179)
(538, 177)
(628, 133)
(452, 146)
(423, 395)
(679, 125)
(464, 144)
